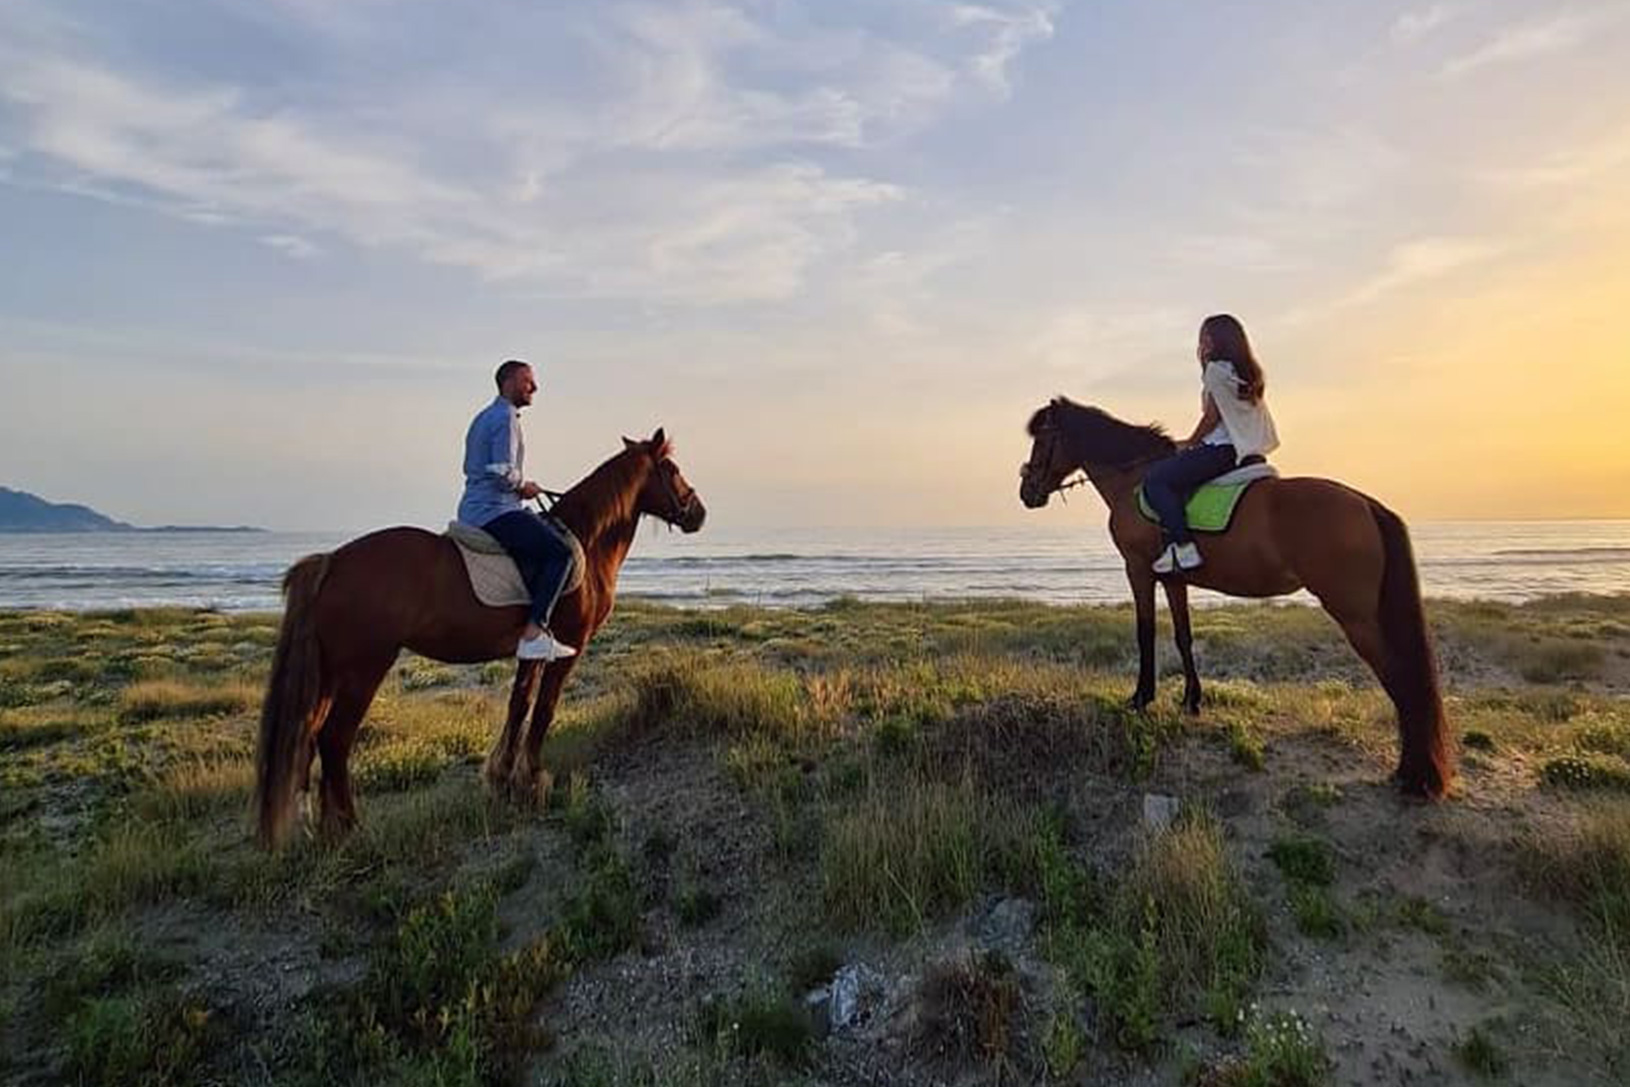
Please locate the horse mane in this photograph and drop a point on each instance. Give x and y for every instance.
(605, 497)
(1097, 437)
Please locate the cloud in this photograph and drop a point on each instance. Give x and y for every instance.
(291, 244)
(1592, 161)
(1525, 41)
(1011, 31)
(695, 154)
(1419, 260)
(1413, 26)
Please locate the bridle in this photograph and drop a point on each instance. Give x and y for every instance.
(1065, 483)
(681, 510)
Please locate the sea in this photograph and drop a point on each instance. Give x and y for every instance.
(1053, 562)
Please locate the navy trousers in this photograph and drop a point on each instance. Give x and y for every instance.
(1171, 481)
(544, 558)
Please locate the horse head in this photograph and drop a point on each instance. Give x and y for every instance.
(1049, 461)
(666, 495)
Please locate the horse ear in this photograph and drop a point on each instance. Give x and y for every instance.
(629, 443)
(659, 439)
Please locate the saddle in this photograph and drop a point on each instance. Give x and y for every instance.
(1211, 508)
(494, 577)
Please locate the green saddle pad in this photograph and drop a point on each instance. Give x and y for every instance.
(1210, 509)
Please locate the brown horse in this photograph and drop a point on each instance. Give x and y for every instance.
(351, 611)
(1347, 549)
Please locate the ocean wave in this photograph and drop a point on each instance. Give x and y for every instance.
(1565, 553)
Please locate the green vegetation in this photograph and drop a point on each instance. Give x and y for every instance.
(855, 783)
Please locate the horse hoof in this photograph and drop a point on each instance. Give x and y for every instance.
(497, 779)
(1138, 703)
(531, 790)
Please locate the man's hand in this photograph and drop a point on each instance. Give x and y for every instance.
(529, 490)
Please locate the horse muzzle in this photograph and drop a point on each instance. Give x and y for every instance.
(693, 517)
(1033, 496)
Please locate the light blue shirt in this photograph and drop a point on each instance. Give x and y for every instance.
(493, 452)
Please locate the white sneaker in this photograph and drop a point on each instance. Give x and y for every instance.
(1188, 556)
(1166, 561)
(543, 648)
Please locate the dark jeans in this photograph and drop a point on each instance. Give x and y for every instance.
(544, 558)
(1171, 481)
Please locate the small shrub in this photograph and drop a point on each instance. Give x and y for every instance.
(813, 968)
(1181, 931)
(968, 1009)
(759, 1023)
(1422, 916)
(1555, 660)
(911, 851)
(196, 788)
(1304, 860)
(710, 699)
(422, 675)
(1245, 747)
(1316, 911)
(1063, 1044)
(896, 735)
(399, 766)
(1480, 1055)
(1586, 772)
(153, 699)
(694, 903)
(1281, 1050)
(152, 1037)
(439, 1003)
(601, 917)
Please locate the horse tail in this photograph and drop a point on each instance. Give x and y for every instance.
(1424, 767)
(288, 717)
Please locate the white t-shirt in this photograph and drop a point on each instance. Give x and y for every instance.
(1246, 426)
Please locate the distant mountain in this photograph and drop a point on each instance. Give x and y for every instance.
(24, 512)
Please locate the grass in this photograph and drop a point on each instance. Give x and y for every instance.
(1281, 1050)
(1179, 933)
(1309, 868)
(759, 1023)
(908, 852)
(147, 1037)
(1588, 867)
(1481, 1055)
(162, 698)
(891, 768)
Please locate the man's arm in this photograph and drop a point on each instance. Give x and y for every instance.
(501, 459)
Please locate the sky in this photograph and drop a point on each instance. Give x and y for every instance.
(259, 260)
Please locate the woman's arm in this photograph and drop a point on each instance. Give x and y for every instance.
(1209, 418)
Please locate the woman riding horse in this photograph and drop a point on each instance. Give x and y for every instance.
(1345, 548)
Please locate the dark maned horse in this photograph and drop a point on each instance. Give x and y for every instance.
(351, 611)
(1344, 547)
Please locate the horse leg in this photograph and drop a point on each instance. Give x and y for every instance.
(325, 701)
(1363, 629)
(1177, 602)
(354, 692)
(528, 774)
(502, 758)
(1143, 598)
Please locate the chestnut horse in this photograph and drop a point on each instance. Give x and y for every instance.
(351, 611)
(1347, 549)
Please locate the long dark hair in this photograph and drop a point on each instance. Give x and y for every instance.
(1230, 344)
